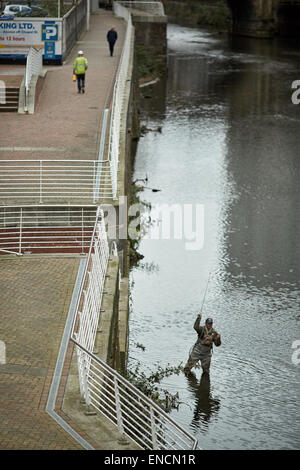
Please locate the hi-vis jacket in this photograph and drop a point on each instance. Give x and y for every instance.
(80, 65)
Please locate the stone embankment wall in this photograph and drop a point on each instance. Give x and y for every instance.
(151, 37)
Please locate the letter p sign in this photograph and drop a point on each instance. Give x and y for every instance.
(49, 32)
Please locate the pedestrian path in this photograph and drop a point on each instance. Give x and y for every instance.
(67, 125)
(36, 291)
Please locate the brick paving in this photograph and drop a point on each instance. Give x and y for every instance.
(13, 80)
(64, 119)
(35, 299)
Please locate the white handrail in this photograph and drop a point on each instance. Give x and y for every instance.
(133, 413)
(93, 285)
(34, 66)
(118, 111)
(54, 180)
(59, 229)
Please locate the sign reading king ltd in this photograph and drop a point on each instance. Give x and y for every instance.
(18, 34)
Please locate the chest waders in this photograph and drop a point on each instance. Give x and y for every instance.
(201, 351)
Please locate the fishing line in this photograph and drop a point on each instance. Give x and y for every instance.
(205, 290)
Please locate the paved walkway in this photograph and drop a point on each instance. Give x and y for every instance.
(35, 299)
(65, 120)
(35, 292)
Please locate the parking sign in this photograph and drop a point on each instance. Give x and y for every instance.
(17, 35)
(49, 31)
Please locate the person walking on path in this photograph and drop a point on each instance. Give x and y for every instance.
(79, 68)
(112, 36)
(202, 350)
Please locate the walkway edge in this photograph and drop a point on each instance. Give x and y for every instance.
(60, 362)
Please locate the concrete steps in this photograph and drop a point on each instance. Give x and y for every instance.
(9, 99)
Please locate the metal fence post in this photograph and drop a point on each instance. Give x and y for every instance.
(153, 429)
(94, 182)
(20, 234)
(41, 181)
(89, 411)
(82, 232)
(122, 439)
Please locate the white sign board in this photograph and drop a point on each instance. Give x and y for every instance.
(18, 34)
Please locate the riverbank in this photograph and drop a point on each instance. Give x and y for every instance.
(213, 13)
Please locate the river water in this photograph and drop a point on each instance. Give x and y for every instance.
(225, 138)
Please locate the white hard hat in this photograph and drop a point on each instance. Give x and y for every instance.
(80, 52)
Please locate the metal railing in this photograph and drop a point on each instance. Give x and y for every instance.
(34, 66)
(90, 296)
(30, 230)
(134, 414)
(118, 111)
(40, 181)
(74, 22)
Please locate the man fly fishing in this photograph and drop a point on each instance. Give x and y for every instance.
(202, 350)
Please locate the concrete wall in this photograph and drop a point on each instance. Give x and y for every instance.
(253, 17)
(151, 35)
(288, 19)
(150, 31)
(265, 18)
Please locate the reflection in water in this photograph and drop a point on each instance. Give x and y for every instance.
(230, 141)
(205, 405)
(149, 267)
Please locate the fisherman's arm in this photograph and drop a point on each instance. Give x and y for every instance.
(197, 326)
(217, 339)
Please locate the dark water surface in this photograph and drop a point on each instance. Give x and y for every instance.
(229, 141)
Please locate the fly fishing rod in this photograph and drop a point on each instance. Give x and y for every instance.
(205, 291)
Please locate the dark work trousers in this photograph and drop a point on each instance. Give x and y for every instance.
(80, 81)
(111, 48)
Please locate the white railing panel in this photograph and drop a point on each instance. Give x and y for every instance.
(118, 111)
(34, 65)
(134, 414)
(31, 229)
(45, 181)
(91, 293)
